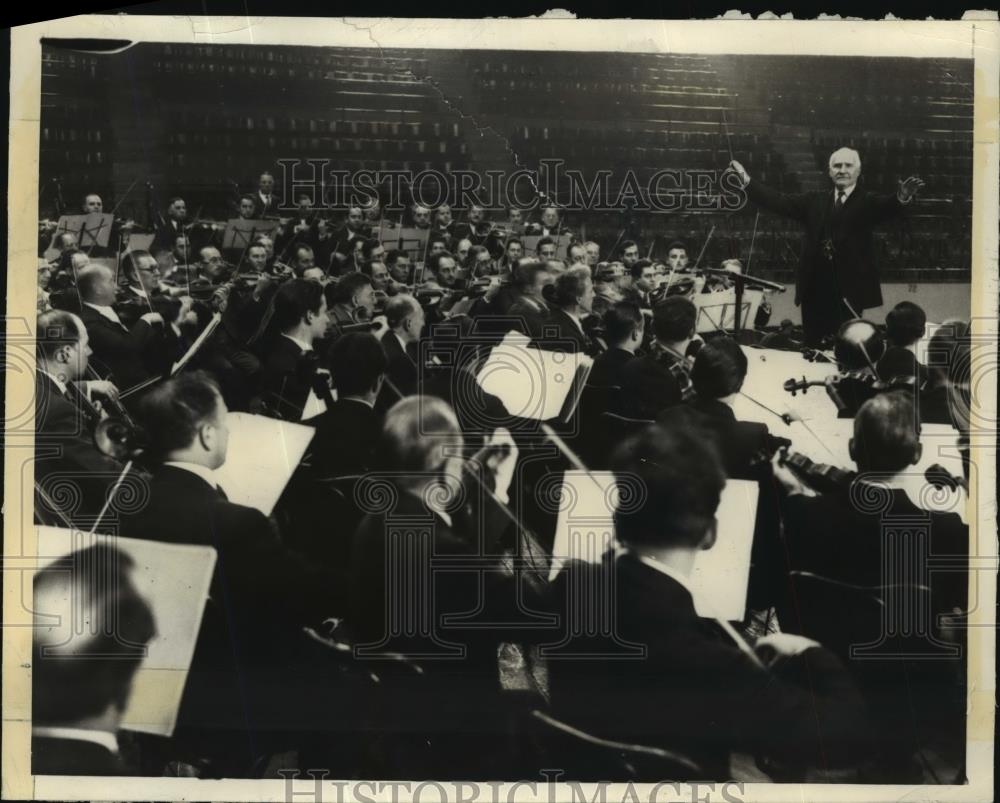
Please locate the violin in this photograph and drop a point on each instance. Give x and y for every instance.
(818, 476)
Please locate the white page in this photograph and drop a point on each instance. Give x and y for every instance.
(720, 576)
(531, 383)
(174, 579)
(263, 454)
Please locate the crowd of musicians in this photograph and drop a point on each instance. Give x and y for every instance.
(455, 633)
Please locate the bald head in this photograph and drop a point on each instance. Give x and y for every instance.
(845, 167)
(96, 285)
(886, 435)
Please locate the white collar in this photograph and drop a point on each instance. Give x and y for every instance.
(138, 291)
(575, 318)
(847, 192)
(106, 312)
(59, 383)
(403, 344)
(300, 343)
(263, 197)
(195, 468)
(105, 739)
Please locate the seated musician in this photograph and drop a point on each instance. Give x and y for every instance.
(453, 562)
(576, 254)
(371, 251)
(118, 349)
(692, 689)
(905, 325)
(400, 269)
(243, 649)
(628, 253)
(379, 274)
(247, 208)
(834, 535)
(94, 205)
(624, 328)
(81, 684)
(512, 252)
(347, 432)
(717, 375)
(546, 249)
(405, 317)
(444, 224)
(563, 329)
(351, 300)
(354, 229)
(677, 256)
(550, 225)
(608, 281)
(421, 216)
(661, 378)
(304, 264)
(593, 253)
(170, 226)
(211, 266)
(480, 262)
(641, 282)
(946, 397)
(719, 284)
(65, 414)
(289, 364)
(525, 299)
(462, 249)
(437, 243)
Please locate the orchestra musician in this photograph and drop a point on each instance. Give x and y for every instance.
(562, 329)
(289, 367)
(550, 225)
(400, 269)
(677, 256)
(405, 317)
(624, 329)
(662, 377)
(266, 201)
(576, 254)
(168, 227)
(351, 300)
(838, 276)
(526, 299)
(593, 253)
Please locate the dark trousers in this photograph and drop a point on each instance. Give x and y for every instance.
(823, 307)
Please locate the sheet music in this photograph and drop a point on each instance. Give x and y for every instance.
(718, 310)
(721, 574)
(263, 455)
(174, 579)
(531, 383)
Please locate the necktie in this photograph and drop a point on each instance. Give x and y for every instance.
(840, 200)
(222, 494)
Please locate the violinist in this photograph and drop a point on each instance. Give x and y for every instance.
(351, 300)
(593, 253)
(628, 253)
(462, 251)
(481, 262)
(65, 413)
(576, 254)
(720, 284)
(300, 316)
(349, 237)
(546, 249)
(905, 325)
(94, 205)
(247, 209)
(379, 274)
(624, 326)
(400, 269)
(513, 251)
(170, 226)
(550, 225)
(301, 228)
(573, 296)
(608, 281)
(677, 256)
(640, 283)
(437, 244)
(421, 217)
(662, 377)
(405, 317)
(525, 297)
(304, 265)
(371, 251)
(444, 224)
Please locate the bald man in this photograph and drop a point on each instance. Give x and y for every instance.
(838, 276)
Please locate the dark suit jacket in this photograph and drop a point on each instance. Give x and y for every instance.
(262, 210)
(287, 377)
(741, 443)
(51, 756)
(850, 233)
(402, 365)
(561, 333)
(532, 316)
(261, 595)
(117, 351)
(649, 387)
(833, 535)
(166, 234)
(345, 439)
(690, 688)
(65, 451)
(609, 368)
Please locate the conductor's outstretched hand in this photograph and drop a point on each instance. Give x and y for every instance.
(909, 188)
(740, 171)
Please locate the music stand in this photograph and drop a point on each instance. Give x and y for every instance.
(240, 233)
(740, 283)
(90, 230)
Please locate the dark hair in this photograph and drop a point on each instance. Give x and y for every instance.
(626, 244)
(671, 479)
(886, 433)
(368, 246)
(543, 241)
(72, 682)
(343, 291)
(525, 271)
(434, 261)
(719, 368)
(677, 244)
(674, 318)
(905, 324)
(130, 262)
(54, 330)
(436, 238)
(356, 361)
(640, 265)
(569, 287)
(394, 254)
(293, 300)
(172, 412)
(248, 197)
(174, 200)
(620, 321)
(510, 240)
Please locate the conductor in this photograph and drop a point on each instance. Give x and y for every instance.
(837, 277)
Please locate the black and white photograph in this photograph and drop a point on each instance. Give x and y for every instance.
(493, 410)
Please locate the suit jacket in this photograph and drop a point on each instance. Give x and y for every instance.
(287, 377)
(52, 756)
(261, 595)
(117, 350)
(652, 383)
(65, 451)
(531, 315)
(270, 209)
(568, 334)
(402, 365)
(690, 688)
(848, 233)
(345, 439)
(834, 536)
(741, 443)
(167, 230)
(609, 367)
